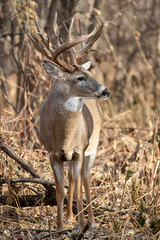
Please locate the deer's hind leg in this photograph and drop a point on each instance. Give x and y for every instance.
(75, 185)
(87, 165)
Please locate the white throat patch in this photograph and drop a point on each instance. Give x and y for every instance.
(73, 104)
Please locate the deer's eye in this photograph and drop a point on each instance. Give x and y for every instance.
(81, 78)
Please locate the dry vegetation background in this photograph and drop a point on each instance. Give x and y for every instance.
(125, 179)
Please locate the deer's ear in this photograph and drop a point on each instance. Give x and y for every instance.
(86, 65)
(51, 69)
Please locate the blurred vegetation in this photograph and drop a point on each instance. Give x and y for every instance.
(126, 176)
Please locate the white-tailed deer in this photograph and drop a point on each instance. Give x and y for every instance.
(71, 117)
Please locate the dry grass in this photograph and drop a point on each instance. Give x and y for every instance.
(124, 186)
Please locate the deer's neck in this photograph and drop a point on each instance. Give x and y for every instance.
(73, 104)
(63, 100)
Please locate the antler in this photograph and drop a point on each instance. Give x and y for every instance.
(87, 47)
(63, 54)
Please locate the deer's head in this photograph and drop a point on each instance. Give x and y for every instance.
(64, 61)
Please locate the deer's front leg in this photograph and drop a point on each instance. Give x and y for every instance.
(70, 192)
(58, 171)
(77, 167)
(79, 197)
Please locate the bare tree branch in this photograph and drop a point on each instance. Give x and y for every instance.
(19, 160)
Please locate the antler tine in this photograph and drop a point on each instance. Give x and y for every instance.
(42, 50)
(88, 46)
(44, 40)
(65, 26)
(56, 30)
(55, 24)
(70, 30)
(37, 25)
(80, 31)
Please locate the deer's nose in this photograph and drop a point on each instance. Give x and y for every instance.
(106, 93)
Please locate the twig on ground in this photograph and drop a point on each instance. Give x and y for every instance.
(29, 232)
(65, 231)
(84, 230)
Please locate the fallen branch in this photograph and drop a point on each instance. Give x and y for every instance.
(51, 192)
(29, 200)
(31, 180)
